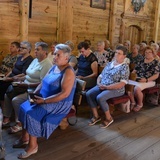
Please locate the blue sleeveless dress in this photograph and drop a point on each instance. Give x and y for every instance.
(41, 120)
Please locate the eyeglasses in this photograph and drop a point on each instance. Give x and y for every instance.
(23, 48)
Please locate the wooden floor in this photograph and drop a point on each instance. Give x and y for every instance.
(133, 136)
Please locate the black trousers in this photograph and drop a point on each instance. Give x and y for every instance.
(3, 88)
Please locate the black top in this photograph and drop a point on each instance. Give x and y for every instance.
(84, 65)
(21, 66)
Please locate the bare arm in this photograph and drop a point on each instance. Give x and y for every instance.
(152, 78)
(66, 87)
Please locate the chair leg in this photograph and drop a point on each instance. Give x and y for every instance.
(64, 124)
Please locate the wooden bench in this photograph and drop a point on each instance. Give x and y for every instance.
(124, 98)
(152, 90)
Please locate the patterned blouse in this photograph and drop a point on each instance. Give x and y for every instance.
(147, 69)
(136, 59)
(113, 74)
(111, 53)
(8, 63)
(103, 58)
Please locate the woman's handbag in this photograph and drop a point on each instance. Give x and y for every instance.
(124, 107)
(13, 91)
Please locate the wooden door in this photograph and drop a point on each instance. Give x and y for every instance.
(134, 34)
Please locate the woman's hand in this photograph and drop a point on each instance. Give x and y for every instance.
(142, 80)
(38, 100)
(8, 79)
(80, 77)
(102, 87)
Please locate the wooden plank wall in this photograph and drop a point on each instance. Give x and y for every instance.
(75, 20)
(89, 23)
(9, 24)
(43, 22)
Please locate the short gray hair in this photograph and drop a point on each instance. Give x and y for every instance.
(64, 48)
(70, 44)
(43, 45)
(155, 45)
(102, 43)
(28, 45)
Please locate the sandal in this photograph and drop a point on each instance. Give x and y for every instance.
(25, 154)
(94, 120)
(137, 108)
(15, 129)
(107, 123)
(5, 124)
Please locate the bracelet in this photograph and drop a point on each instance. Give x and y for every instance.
(44, 100)
(146, 80)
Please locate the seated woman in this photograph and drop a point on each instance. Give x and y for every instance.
(135, 56)
(51, 53)
(87, 65)
(147, 72)
(110, 83)
(34, 74)
(72, 59)
(22, 63)
(9, 61)
(42, 117)
(101, 54)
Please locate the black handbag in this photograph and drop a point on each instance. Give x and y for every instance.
(13, 91)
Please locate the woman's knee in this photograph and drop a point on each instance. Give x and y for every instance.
(137, 90)
(101, 98)
(90, 93)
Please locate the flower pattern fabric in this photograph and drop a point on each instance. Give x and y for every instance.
(147, 69)
(114, 74)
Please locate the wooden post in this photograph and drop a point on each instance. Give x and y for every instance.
(24, 12)
(112, 22)
(156, 20)
(122, 31)
(65, 20)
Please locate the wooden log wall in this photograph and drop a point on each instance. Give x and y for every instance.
(62, 20)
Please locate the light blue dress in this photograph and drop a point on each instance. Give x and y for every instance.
(41, 120)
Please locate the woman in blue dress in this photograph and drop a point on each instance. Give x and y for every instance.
(42, 117)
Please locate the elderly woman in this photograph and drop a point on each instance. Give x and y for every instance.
(9, 61)
(19, 70)
(155, 48)
(127, 44)
(42, 117)
(110, 83)
(87, 65)
(72, 60)
(141, 48)
(108, 49)
(34, 75)
(147, 72)
(51, 53)
(135, 56)
(101, 54)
